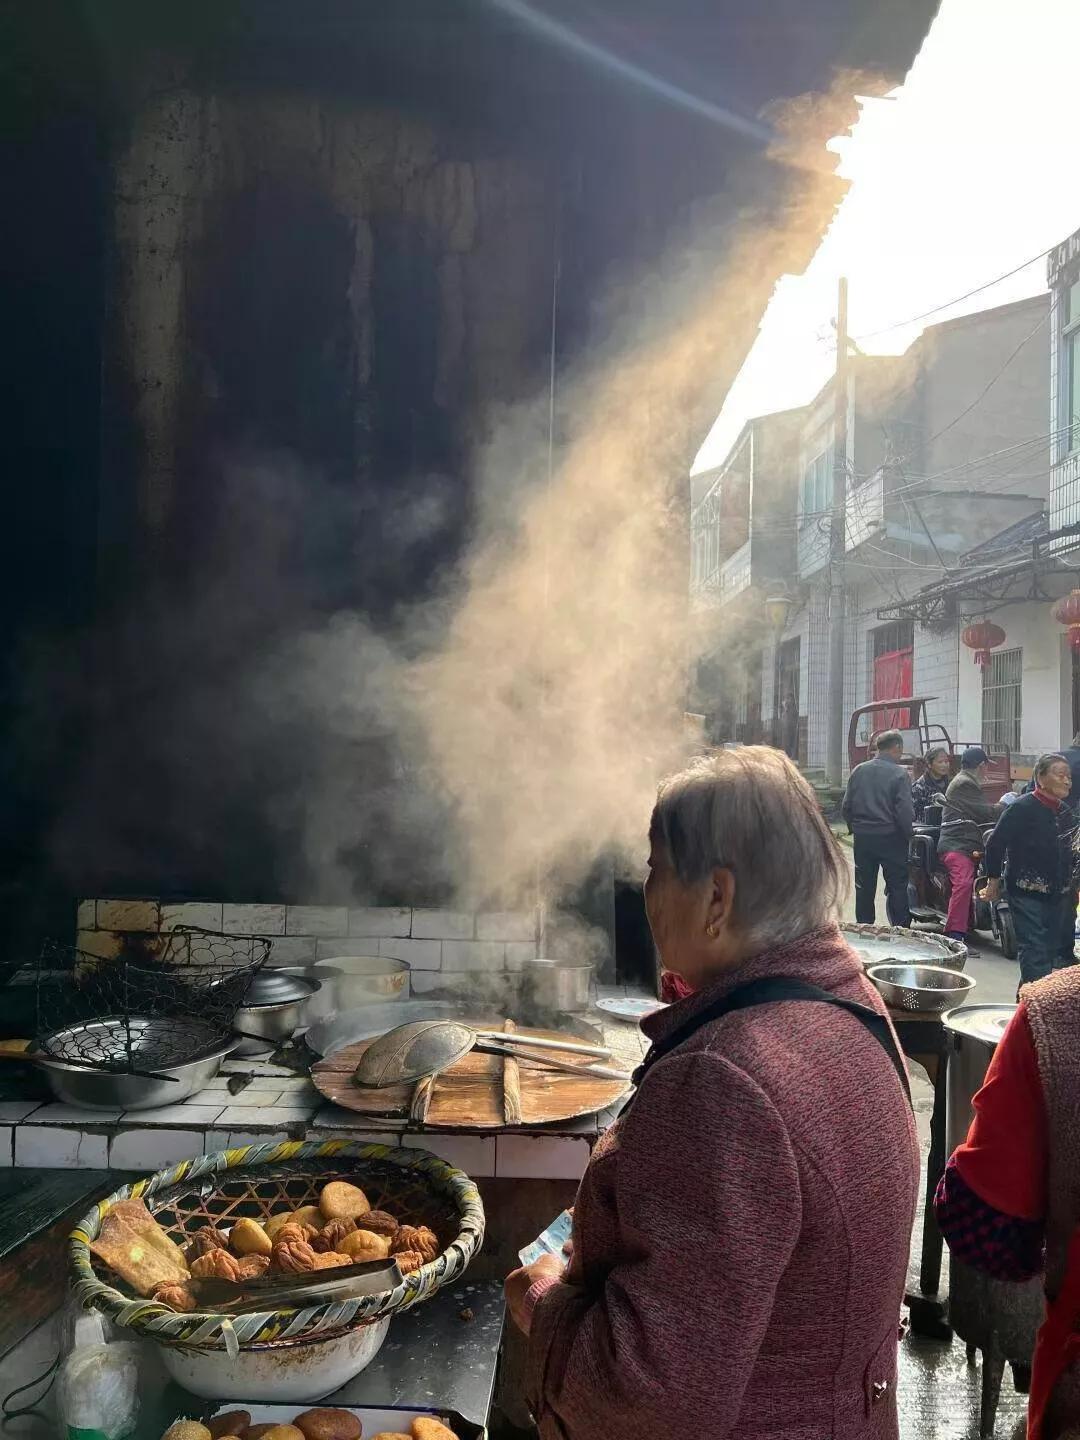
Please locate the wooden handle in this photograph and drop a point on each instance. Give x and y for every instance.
(511, 1080)
(421, 1099)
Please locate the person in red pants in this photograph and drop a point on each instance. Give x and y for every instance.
(967, 813)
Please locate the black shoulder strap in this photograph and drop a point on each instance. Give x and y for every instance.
(761, 992)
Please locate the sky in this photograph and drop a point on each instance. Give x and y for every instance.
(968, 171)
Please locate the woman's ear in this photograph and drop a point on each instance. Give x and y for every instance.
(722, 901)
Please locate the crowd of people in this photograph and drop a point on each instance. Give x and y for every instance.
(1029, 857)
(741, 1234)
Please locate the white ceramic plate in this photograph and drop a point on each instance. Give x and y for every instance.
(630, 1008)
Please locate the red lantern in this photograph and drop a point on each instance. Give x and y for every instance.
(982, 637)
(1067, 612)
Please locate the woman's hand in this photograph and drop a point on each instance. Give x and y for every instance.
(991, 891)
(519, 1282)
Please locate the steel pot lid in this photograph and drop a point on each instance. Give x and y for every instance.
(980, 1022)
(408, 1052)
(277, 987)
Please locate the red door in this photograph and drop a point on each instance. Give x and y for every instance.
(893, 673)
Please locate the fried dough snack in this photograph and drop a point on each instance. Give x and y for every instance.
(134, 1257)
(217, 1265)
(416, 1237)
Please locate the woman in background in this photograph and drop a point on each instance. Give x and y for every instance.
(934, 780)
(1034, 844)
(741, 1234)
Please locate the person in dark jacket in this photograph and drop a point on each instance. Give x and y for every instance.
(1033, 843)
(1068, 927)
(879, 813)
(934, 780)
(966, 815)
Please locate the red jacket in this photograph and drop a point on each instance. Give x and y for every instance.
(741, 1235)
(992, 1201)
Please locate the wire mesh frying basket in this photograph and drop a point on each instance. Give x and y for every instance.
(163, 1001)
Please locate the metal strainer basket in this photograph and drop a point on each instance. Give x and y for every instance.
(924, 989)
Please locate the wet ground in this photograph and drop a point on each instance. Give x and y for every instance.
(938, 1389)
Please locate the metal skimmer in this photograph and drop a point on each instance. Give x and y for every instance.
(427, 1047)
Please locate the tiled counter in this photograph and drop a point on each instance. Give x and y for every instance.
(276, 1104)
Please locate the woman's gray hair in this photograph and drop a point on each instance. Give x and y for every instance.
(935, 750)
(1043, 763)
(751, 811)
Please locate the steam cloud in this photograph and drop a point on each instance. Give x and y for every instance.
(490, 741)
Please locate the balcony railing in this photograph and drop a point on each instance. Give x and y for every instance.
(735, 573)
(725, 581)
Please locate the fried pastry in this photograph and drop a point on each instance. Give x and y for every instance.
(341, 1201)
(329, 1425)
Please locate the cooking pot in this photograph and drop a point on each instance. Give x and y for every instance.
(997, 1317)
(365, 979)
(559, 986)
(274, 1008)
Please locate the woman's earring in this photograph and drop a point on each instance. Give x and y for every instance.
(710, 930)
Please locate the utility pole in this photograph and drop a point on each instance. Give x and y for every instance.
(834, 737)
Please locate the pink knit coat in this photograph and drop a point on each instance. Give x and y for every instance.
(741, 1235)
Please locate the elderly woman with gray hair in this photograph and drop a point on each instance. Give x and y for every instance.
(741, 1235)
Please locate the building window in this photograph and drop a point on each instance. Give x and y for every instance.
(1070, 367)
(817, 485)
(1001, 701)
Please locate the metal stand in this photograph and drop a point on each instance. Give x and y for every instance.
(924, 1040)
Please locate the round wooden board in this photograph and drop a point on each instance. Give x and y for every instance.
(470, 1093)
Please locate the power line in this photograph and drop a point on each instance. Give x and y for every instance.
(937, 309)
(990, 383)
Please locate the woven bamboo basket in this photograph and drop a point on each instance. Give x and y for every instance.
(263, 1180)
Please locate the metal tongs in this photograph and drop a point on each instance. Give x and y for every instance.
(427, 1047)
(278, 1292)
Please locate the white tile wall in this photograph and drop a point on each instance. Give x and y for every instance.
(146, 1150)
(75, 1115)
(237, 1140)
(13, 1110)
(473, 955)
(318, 920)
(128, 915)
(380, 920)
(514, 925)
(195, 1113)
(517, 954)
(475, 1154)
(355, 945)
(204, 914)
(250, 1117)
(103, 943)
(443, 925)
(53, 1148)
(419, 954)
(428, 940)
(253, 919)
(540, 1157)
(292, 950)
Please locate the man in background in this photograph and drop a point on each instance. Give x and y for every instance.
(879, 813)
(966, 815)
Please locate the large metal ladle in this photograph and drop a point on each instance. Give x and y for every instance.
(426, 1047)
